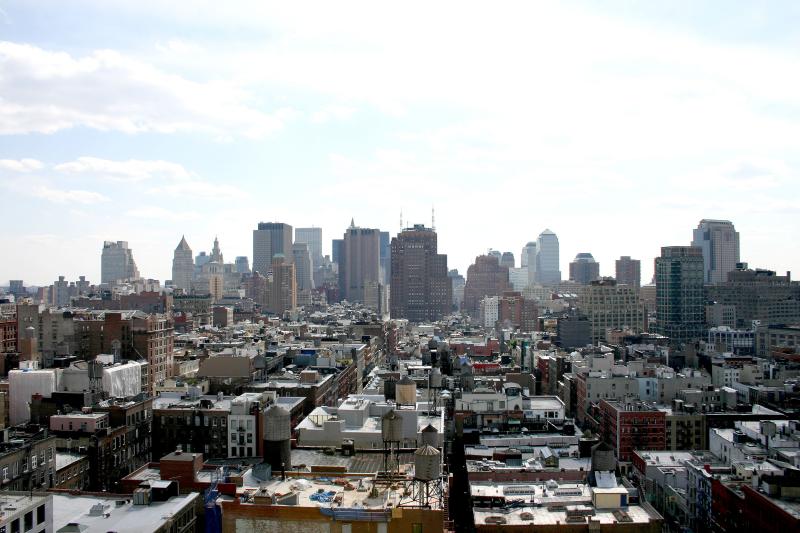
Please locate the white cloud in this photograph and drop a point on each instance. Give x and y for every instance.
(46, 91)
(21, 165)
(331, 113)
(68, 196)
(198, 189)
(132, 170)
(159, 213)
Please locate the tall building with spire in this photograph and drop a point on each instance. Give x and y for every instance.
(116, 262)
(548, 271)
(719, 241)
(216, 254)
(360, 266)
(182, 266)
(420, 288)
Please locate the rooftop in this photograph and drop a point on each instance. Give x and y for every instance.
(69, 509)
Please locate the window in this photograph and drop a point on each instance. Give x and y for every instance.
(28, 520)
(15, 526)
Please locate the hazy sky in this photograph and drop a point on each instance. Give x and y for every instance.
(619, 129)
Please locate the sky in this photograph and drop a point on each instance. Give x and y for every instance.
(618, 125)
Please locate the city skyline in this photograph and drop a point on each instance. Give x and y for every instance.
(607, 269)
(118, 133)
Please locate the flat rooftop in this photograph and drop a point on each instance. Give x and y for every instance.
(550, 503)
(69, 509)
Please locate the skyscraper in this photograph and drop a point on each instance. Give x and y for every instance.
(547, 259)
(302, 266)
(283, 289)
(507, 260)
(421, 290)
(242, 264)
(629, 271)
(528, 260)
(116, 262)
(719, 241)
(336, 250)
(270, 239)
(584, 269)
(386, 258)
(680, 298)
(485, 277)
(360, 265)
(312, 237)
(182, 266)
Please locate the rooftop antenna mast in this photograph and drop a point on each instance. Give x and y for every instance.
(401, 220)
(433, 219)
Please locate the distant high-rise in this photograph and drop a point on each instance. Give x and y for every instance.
(61, 293)
(270, 239)
(302, 266)
(457, 282)
(283, 289)
(360, 265)
(386, 258)
(528, 260)
(584, 269)
(758, 295)
(547, 259)
(421, 290)
(485, 277)
(312, 237)
(242, 264)
(17, 288)
(629, 271)
(182, 266)
(610, 305)
(507, 260)
(336, 250)
(680, 296)
(116, 262)
(719, 241)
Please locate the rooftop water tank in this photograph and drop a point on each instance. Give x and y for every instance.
(391, 427)
(406, 392)
(427, 463)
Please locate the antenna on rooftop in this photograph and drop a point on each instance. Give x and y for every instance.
(433, 219)
(401, 220)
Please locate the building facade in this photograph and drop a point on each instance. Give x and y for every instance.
(609, 305)
(719, 241)
(584, 269)
(485, 277)
(182, 266)
(548, 271)
(628, 271)
(680, 295)
(116, 262)
(313, 238)
(360, 265)
(421, 289)
(270, 239)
